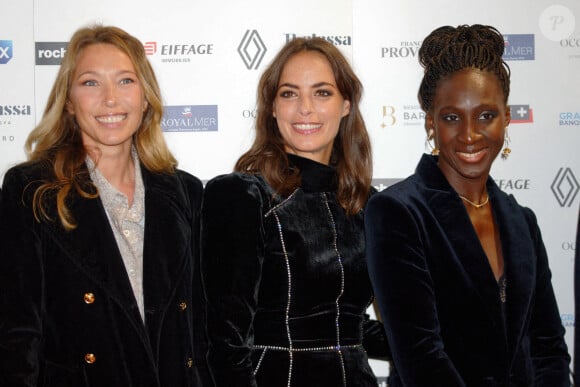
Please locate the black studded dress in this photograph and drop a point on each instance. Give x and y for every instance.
(287, 284)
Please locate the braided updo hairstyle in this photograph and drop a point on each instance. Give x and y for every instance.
(448, 49)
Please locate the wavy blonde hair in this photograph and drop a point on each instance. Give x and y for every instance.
(57, 141)
(351, 150)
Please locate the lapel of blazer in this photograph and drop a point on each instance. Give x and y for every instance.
(519, 262)
(517, 248)
(456, 226)
(168, 243)
(92, 247)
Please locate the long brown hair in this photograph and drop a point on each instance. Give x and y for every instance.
(351, 150)
(57, 141)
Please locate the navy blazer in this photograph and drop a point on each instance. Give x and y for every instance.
(439, 298)
(68, 313)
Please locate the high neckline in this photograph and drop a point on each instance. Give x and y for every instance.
(315, 176)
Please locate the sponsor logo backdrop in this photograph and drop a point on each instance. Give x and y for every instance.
(209, 55)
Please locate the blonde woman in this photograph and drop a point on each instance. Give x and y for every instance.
(99, 234)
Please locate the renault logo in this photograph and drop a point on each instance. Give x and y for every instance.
(252, 49)
(565, 187)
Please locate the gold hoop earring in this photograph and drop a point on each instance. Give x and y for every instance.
(505, 153)
(432, 147)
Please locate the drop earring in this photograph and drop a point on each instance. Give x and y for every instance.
(432, 147)
(505, 153)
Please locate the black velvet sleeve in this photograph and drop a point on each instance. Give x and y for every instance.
(403, 286)
(20, 286)
(549, 351)
(375, 339)
(194, 190)
(231, 255)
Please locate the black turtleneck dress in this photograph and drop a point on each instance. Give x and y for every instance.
(286, 283)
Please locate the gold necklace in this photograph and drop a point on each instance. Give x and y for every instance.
(476, 205)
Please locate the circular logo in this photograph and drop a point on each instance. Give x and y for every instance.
(557, 22)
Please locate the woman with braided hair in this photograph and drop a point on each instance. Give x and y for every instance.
(459, 268)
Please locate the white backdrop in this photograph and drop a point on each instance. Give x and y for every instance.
(208, 56)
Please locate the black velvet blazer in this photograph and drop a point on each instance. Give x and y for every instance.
(439, 298)
(287, 284)
(68, 316)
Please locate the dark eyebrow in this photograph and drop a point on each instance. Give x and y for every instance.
(287, 85)
(319, 84)
(483, 106)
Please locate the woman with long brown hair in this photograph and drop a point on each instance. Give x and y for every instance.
(282, 237)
